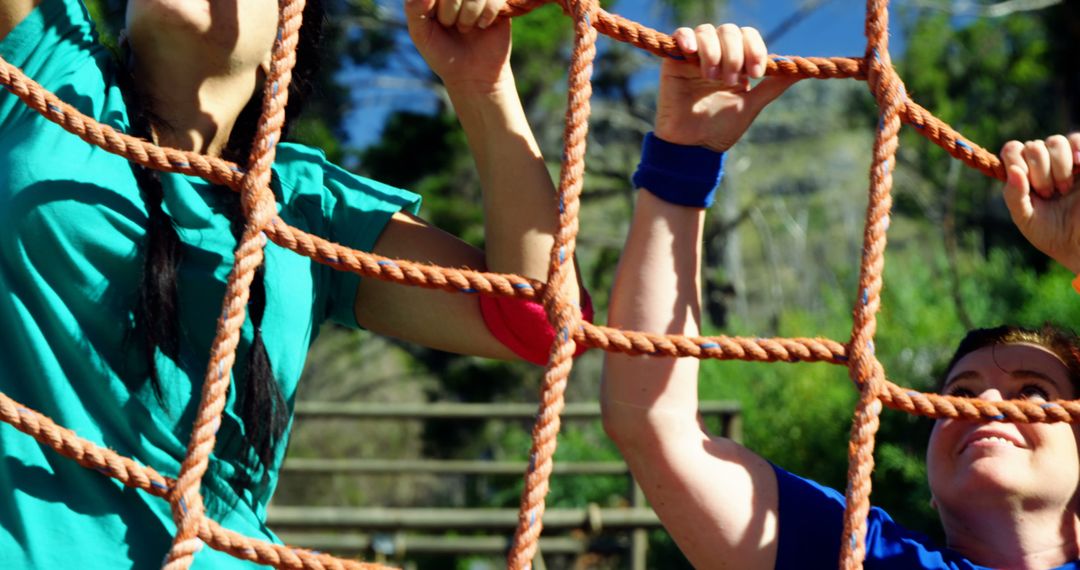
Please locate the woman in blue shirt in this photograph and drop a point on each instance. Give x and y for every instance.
(1007, 493)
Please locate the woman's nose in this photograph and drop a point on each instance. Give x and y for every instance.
(991, 394)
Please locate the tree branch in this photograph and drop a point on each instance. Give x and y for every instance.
(995, 10)
(808, 7)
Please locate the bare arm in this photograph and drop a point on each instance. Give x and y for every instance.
(12, 12)
(520, 212)
(520, 208)
(717, 499)
(436, 319)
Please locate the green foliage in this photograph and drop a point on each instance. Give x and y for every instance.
(108, 16)
(541, 48)
(991, 81)
(578, 441)
(314, 131)
(429, 154)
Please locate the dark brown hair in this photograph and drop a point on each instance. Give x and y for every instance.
(1062, 342)
(260, 401)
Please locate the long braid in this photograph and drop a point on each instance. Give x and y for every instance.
(260, 400)
(259, 397)
(156, 319)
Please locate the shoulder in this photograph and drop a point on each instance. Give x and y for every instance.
(307, 178)
(812, 523)
(891, 546)
(56, 46)
(53, 37)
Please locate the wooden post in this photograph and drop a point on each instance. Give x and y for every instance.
(538, 560)
(734, 427)
(639, 541)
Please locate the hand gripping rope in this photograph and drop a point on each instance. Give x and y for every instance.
(194, 528)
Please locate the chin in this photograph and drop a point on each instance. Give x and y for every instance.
(165, 16)
(995, 477)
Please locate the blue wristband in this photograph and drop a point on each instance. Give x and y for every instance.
(678, 174)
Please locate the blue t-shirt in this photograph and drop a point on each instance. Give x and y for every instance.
(812, 522)
(72, 221)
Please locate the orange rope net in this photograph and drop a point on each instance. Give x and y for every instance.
(194, 528)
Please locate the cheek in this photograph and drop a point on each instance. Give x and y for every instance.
(937, 446)
(165, 24)
(1064, 441)
(262, 25)
(1059, 458)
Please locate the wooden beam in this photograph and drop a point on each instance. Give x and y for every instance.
(376, 518)
(460, 410)
(401, 544)
(297, 466)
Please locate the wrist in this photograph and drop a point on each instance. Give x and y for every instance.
(679, 174)
(672, 137)
(485, 105)
(502, 85)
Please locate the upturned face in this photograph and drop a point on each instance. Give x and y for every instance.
(996, 462)
(220, 35)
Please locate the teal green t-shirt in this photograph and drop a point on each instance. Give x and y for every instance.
(71, 224)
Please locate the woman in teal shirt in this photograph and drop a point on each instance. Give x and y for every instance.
(111, 276)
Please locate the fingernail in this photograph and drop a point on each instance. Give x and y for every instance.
(731, 79)
(713, 72)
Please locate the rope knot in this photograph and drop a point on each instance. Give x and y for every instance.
(258, 202)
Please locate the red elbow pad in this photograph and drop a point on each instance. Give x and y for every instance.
(522, 325)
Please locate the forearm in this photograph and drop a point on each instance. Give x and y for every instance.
(656, 290)
(716, 498)
(520, 208)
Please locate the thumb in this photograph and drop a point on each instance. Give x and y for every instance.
(769, 89)
(419, 14)
(1018, 195)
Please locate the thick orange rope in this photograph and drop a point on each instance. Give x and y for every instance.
(563, 315)
(194, 529)
(865, 369)
(259, 208)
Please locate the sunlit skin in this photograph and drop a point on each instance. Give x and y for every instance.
(198, 63)
(1006, 492)
(210, 35)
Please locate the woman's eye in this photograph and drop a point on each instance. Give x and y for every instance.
(1034, 392)
(960, 392)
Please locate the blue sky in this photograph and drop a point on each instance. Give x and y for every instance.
(835, 28)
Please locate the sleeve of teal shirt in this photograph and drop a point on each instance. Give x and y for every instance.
(56, 46)
(361, 209)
